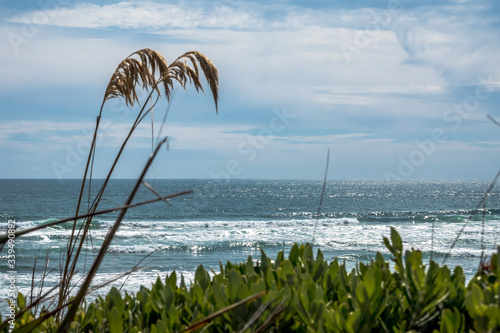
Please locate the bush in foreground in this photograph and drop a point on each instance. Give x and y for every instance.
(301, 294)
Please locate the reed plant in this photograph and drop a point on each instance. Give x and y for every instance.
(148, 70)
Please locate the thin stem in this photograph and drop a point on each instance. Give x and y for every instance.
(72, 240)
(483, 247)
(100, 193)
(165, 118)
(322, 195)
(470, 217)
(152, 128)
(432, 241)
(104, 247)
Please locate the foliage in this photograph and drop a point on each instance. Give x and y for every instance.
(301, 294)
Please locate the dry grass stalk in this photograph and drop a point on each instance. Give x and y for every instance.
(151, 70)
(104, 247)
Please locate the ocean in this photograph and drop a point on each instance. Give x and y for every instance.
(230, 220)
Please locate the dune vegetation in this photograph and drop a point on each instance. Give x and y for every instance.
(299, 293)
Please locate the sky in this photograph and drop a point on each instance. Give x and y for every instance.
(395, 89)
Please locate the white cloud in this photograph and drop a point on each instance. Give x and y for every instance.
(458, 41)
(369, 95)
(142, 16)
(490, 143)
(61, 134)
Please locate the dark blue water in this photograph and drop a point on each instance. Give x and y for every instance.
(229, 220)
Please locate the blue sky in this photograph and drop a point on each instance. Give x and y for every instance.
(395, 89)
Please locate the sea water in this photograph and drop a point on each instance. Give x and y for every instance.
(231, 220)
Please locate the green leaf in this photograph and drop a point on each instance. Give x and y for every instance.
(396, 240)
(294, 254)
(301, 309)
(201, 277)
(21, 301)
(172, 280)
(89, 317)
(169, 296)
(183, 283)
(115, 321)
(161, 327)
(493, 315)
(380, 259)
(249, 270)
(496, 260)
(307, 256)
(447, 321)
(286, 272)
(235, 282)
(99, 315)
(116, 300)
(388, 245)
(263, 261)
(279, 258)
(372, 280)
(320, 311)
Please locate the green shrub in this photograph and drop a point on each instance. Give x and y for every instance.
(301, 294)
